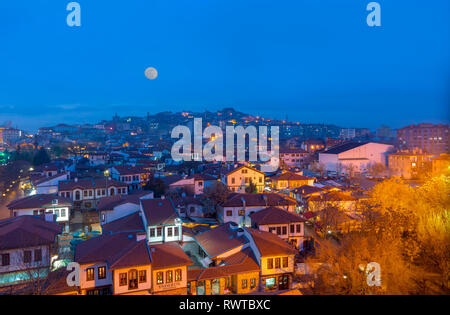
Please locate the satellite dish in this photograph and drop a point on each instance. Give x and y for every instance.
(151, 73)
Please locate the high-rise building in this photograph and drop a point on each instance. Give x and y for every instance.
(429, 138)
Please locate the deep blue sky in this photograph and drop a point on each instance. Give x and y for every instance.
(315, 60)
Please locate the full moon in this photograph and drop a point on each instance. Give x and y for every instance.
(151, 73)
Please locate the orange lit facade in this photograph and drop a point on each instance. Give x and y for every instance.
(408, 165)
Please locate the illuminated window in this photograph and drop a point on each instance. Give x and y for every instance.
(142, 276)
(90, 274)
(102, 272)
(178, 275)
(123, 279)
(271, 284)
(159, 277)
(277, 262)
(169, 276)
(270, 263)
(133, 279)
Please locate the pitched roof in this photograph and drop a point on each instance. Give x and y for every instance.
(333, 196)
(39, 201)
(117, 250)
(307, 190)
(170, 179)
(56, 282)
(130, 223)
(241, 262)
(292, 151)
(110, 202)
(270, 244)
(264, 199)
(344, 147)
(42, 179)
(89, 184)
(27, 231)
(290, 176)
(201, 177)
(129, 169)
(244, 166)
(274, 215)
(159, 211)
(220, 239)
(168, 255)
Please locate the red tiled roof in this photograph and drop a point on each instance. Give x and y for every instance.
(27, 231)
(290, 176)
(168, 255)
(235, 200)
(201, 177)
(110, 202)
(117, 250)
(69, 185)
(130, 170)
(333, 196)
(220, 239)
(307, 190)
(241, 262)
(56, 283)
(39, 201)
(130, 223)
(159, 211)
(274, 215)
(270, 244)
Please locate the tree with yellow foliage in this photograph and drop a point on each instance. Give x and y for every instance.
(406, 231)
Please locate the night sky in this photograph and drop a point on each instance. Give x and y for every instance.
(313, 60)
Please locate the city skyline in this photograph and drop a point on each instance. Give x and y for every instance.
(316, 62)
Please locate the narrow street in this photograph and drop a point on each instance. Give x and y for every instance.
(14, 193)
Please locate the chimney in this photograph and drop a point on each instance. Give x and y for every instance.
(243, 202)
(140, 237)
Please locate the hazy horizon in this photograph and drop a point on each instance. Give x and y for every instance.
(317, 61)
